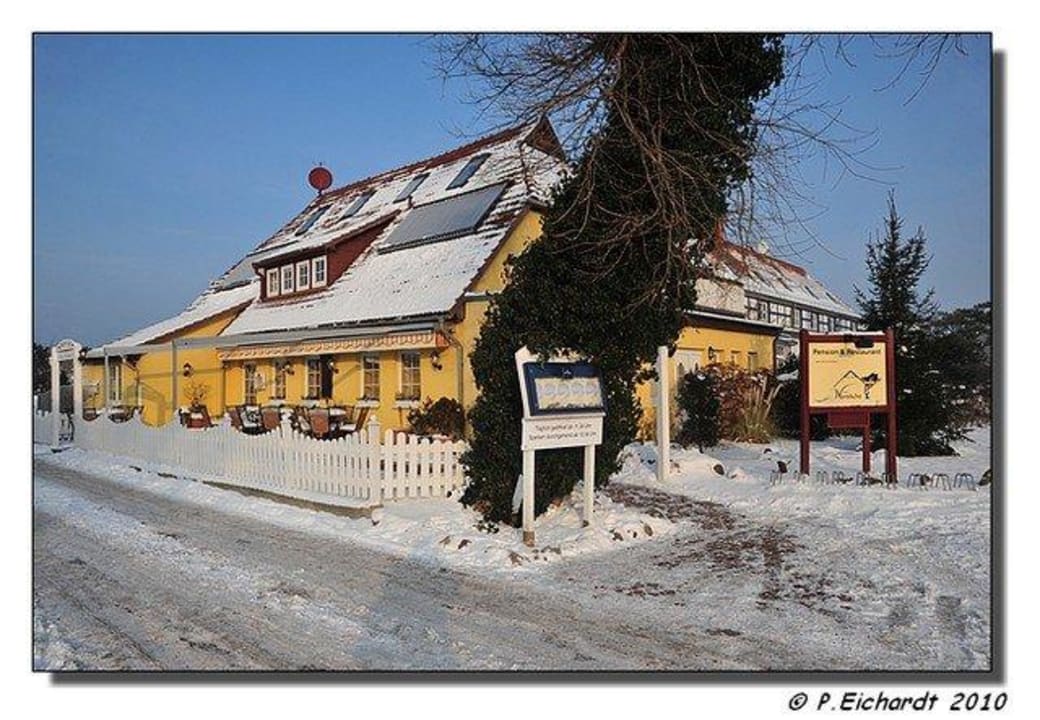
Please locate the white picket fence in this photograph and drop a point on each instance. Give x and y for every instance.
(354, 470)
(43, 429)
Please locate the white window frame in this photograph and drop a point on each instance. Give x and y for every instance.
(288, 273)
(249, 382)
(279, 381)
(274, 282)
(115, 383)
(313, 366)
(364, 373)
(401, 371)
(322, 262)
(303, 267)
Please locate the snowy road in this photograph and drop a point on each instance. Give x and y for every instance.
(132, 580)
(155, 573)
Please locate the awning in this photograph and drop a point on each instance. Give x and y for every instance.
(430, 339)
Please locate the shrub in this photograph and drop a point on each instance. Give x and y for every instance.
(443, 417)
(786, 412)
(754, 423)
(698, 403)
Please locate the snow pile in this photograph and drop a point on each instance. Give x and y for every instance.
(438, 531)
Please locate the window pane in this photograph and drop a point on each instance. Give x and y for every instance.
(315, 216)
(272, 283)
(287, 279)
(468, 171)
(313, 378)
(303, 275)
(355, 207)
(318, 271)
(249, 378)
(370, 377)
(278, 392)
(410, 382)
(411, 187)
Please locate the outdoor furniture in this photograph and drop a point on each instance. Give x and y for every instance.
(320, 423)
(270, 417)
(299, 421)
(196, 418)
(359, 419)
(245, 421)
(235, 416)
(121, 413)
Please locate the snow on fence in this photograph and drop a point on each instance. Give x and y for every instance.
(43, 429)
(355, 469)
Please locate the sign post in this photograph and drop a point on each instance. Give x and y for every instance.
(564, 405)
(664, 415)
(66, 351)
(848, 378)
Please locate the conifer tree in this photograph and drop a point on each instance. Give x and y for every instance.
(895, 267)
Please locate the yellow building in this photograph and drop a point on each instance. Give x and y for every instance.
(374, 294)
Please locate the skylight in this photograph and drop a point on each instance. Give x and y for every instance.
(359, 202)
(467, 172)
(315, 216)
(411, 187)
(443, 219)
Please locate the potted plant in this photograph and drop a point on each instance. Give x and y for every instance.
(196, 416)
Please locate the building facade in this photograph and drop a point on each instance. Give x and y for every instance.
(374, 294)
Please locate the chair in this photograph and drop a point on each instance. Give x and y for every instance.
(270, 417)
(359, 418)
(236, 417)
(319, 421)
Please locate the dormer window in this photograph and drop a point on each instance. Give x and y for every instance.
(318, 272)
(273, 286)
(468, 171)
(288, 284)
(303, 275)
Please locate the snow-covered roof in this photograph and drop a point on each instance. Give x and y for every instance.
(420, 279)
(763, 275)
(207, 305)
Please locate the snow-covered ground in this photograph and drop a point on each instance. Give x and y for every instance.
(706, 571)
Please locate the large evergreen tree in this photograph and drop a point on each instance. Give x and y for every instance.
(612, 275)
(928, 419)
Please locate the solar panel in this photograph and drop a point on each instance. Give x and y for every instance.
(467, 172)
(443, 219)
(411, 187)
(359, 202)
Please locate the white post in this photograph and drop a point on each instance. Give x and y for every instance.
(77, 387)
(590, 482)
(664, 440)
(55, 397)
(376, 474)
(529, 498)
(108, 391)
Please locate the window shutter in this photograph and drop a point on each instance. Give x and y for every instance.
(326, 376)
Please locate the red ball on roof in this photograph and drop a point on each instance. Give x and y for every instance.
(320, 178)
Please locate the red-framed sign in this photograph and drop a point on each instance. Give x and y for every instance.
(849, 377)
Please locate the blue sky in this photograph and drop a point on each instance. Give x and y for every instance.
(160, 160)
